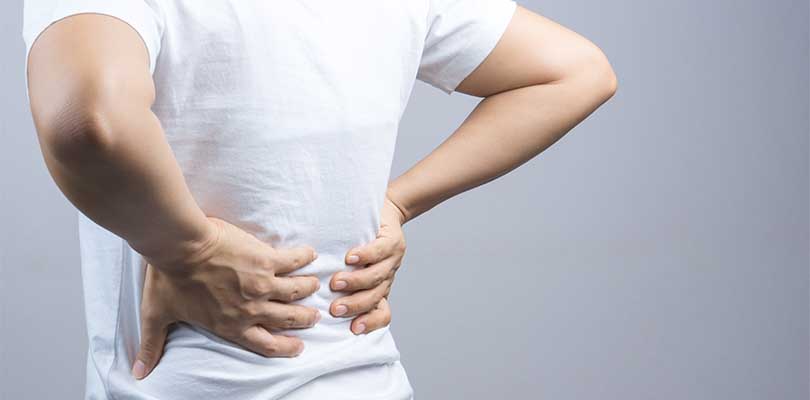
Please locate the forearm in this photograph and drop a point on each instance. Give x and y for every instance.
(122, 174)
(504, 131)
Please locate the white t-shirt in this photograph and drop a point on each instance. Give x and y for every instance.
(283, 117)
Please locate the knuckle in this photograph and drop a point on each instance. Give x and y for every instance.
(231, 315)
(297, 259)
(256, 287)
(290, 321)
(375, 302)
(294, 294)
(270, 348)
(364, 305)
(259, 260)
(379, 254)
(272, 261)
(378, 278)
(249, 309)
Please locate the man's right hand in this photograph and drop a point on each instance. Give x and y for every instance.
(233, 287)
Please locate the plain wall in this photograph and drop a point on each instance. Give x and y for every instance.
(659, 251)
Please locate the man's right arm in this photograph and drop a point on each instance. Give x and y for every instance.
(91, 92)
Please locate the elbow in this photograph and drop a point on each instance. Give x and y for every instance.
(601, 77)
(609, 81)
(75, 134)
(73, 127)
(605, 81)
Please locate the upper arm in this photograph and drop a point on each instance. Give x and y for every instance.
(460, 34)
(535, 50)
(82, 70)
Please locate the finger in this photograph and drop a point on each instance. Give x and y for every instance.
(287, 316)
(291, 259)
(380, 248)
(260, 341)
(359, 302)
(364, 278)
(375, 319)
(153, 338)
(292, 288)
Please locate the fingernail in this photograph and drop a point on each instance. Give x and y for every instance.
(314, 254)
(339, 285)
(361, 327)
(352, 259)
(139, 369)
(300, 349)
(317, 317)
(341, 309)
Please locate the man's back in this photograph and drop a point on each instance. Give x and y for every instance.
(283, 118)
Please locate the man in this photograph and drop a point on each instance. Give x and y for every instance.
(230, 163)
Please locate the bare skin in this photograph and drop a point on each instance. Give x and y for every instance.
(370, 286)
(540, 81)
(91, 93)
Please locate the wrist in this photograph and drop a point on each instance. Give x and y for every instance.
(400, 211)
(183, 252)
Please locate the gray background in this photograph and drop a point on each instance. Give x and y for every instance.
(659, 251)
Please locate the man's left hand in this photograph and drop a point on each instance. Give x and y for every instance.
(368, 287)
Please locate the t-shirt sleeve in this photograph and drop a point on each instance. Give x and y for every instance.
(142, 16)
(461, 34)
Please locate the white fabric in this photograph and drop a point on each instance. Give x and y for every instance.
(283, 117)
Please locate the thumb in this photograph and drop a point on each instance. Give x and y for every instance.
(153, 338)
